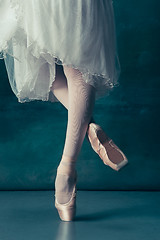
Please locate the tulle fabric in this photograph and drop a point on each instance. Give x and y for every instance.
(37, 34)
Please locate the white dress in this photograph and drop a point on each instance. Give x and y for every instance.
(37, 34)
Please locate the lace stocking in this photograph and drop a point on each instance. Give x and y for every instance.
(60, 88)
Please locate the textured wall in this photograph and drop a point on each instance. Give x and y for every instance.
(32, 134)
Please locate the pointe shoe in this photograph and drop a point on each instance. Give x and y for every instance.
(67, 211)
(103, 145)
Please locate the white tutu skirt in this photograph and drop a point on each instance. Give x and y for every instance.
(37, 34)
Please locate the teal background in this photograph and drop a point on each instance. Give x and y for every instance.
(32, 134)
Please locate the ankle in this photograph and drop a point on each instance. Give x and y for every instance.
(68, 161)
(67, 165)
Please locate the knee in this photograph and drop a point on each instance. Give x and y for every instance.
(60, 79)
(71, 72)
(59, 71)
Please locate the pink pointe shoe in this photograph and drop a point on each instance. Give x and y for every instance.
(104, 146)
(67, 211)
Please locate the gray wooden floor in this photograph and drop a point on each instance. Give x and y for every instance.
(27, 215)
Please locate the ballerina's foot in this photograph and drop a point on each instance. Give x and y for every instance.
(65, 190)
(104, 146)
